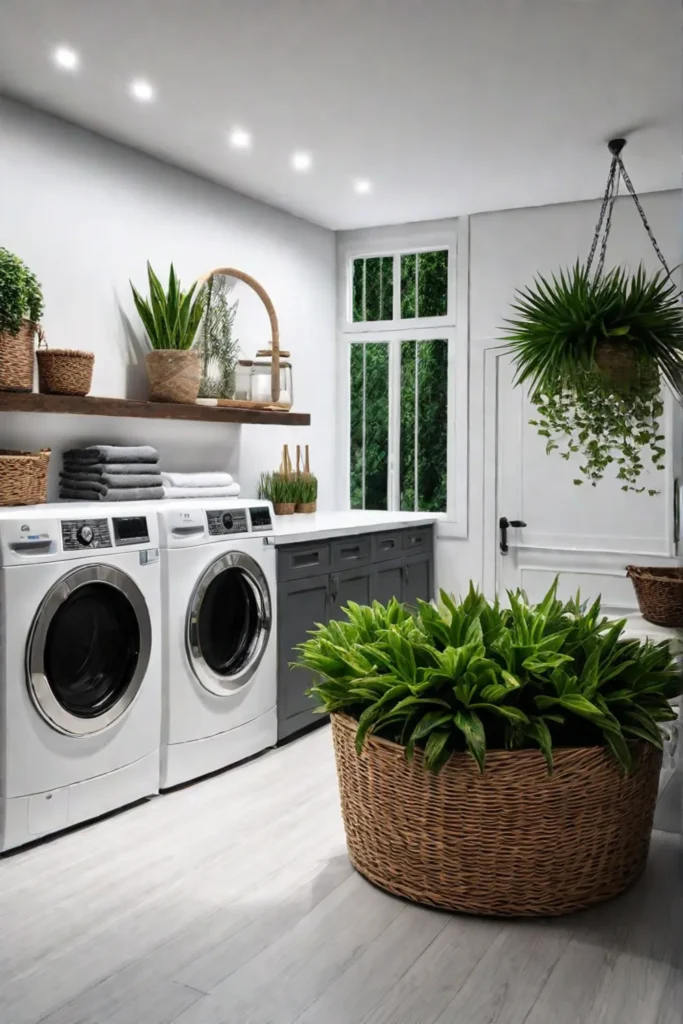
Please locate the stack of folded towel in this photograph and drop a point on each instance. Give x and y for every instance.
(199, 485)
(109, 473)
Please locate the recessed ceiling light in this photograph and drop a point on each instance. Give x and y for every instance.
(66, 58)
(302, 161)
(240, 138)
(362, 186)
(142, 90)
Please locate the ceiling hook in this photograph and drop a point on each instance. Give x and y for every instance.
(615, 146)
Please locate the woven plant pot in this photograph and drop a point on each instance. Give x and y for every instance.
(511, 842)
(174, 375)
(618, 363)
(308, 507)
(23, 477)
(659, 593)
(16, 358)
(64, 371)
(284, 508)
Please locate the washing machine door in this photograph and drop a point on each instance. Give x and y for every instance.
(229, 621)
(88, 649)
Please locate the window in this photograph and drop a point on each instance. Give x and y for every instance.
(405, 375)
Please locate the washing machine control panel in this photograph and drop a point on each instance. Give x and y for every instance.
(227, 521)
(85, 533)
(260, 518)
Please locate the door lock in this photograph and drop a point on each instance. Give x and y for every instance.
(504, 524)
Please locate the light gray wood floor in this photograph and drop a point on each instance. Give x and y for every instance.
(232, 902)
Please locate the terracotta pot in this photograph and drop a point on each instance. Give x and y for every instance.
(174, 375)
(16, 358)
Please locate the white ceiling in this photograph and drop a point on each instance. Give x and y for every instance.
(447, 106)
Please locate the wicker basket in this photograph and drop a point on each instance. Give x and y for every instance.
(618, 363)
(174, 375)
(284, 508)
(511, 842)
(23, 477)
(659, 593)
(307, 507)
(63, 371)
(16, 358)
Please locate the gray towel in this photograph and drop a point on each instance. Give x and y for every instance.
(115, 494)
(106, 481)
(99, 469)
(112, 453)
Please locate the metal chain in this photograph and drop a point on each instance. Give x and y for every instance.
(603, 210)
(641, 211)
(608, 223)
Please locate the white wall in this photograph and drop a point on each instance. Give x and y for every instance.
(86, 214)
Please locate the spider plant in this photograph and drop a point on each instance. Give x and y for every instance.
(172, 317)
(474, 675)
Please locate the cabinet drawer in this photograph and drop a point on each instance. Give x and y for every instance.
(348, 552)
(417, 540)
(386, 545)
(298, 561)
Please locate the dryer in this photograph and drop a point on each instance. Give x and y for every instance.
(80, 664)
(218, 616)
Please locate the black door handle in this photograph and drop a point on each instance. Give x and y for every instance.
(504, 524)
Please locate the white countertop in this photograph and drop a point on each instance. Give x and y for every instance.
(291, 529)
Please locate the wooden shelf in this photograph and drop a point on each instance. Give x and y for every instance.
(92, 406)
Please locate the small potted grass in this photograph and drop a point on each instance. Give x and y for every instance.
(282, 490)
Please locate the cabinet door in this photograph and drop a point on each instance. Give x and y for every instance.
(349, 585)
(301, 604)
(387, 581)
(418, 578)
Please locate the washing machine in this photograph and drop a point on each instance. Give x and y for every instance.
(219, 629)
(80, 664)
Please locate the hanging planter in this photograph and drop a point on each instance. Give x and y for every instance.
(594, 350)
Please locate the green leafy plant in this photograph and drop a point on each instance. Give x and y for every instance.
(21, 296)
(593, 352)
(280, 489)
(307, 489)
(170, 318)
(217, 346)
(475, 676)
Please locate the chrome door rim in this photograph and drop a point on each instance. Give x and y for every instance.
(223, 685)
(39, 687)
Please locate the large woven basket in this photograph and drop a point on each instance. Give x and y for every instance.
(64, 371)
(23, 477)
(16, 358)
(174, 375)
(659, 593)
(511, 842)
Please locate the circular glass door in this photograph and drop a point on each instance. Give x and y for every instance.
(228, 623)
(88, 650)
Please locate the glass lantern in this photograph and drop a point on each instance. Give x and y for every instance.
(243, 372)
(261, 380)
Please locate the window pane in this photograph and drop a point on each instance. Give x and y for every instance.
(373, 276)
(408, 286)
(387, 288)
(373, 300)
(356, 483)
(407, 458)
(432, 430)
(376, 424)
(358, 311)
(432, 283)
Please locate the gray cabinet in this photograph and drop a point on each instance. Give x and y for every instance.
(317, 579)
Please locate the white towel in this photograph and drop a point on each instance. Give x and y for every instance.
(197, 479)
(202, 492)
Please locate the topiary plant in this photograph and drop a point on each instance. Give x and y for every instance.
(21, 297)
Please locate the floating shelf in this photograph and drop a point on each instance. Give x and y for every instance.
(92, 406)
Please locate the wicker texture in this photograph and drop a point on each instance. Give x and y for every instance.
(23, 477)
(64, 371)
(307, 507)
(284, 508)
(16, 358)
(512, 842)
(174, 375)
(659, 593)
(617, 362)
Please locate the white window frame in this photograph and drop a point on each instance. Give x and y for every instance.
(454, 327)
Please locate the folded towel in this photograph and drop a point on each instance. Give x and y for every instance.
(196, 479)
(202, 492)
(98, 469)
(114, 494)
(112, 453)
(106, 481)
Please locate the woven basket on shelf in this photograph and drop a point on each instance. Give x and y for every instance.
(514, 841)
(63, 371)
(23, 477)
(16, 358)
(659, 593)
(174, 375)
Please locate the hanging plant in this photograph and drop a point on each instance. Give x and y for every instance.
(594, 351)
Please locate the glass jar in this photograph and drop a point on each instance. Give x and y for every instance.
(261, 379)
(243, 372)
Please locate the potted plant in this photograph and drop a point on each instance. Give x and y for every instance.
(21, 306)
(494, 760)
(171, 319)
(594, 351)
(282, 490)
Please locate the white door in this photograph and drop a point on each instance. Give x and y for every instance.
(587, 535)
